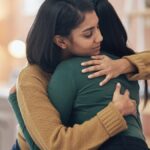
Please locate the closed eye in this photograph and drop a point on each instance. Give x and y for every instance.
(88, 34)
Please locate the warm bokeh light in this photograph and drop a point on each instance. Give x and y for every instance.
(17, 49)
(4, 11)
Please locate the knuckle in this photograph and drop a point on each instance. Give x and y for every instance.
(98, 57)
(110, 75)
(88, 69)
(94, 75)
(94, 61)
(89, 62)
(98, 73)
(97, 67)
(107, 71)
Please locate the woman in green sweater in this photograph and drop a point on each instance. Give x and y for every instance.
(78, 99)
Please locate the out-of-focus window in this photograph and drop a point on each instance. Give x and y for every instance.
(30, 7)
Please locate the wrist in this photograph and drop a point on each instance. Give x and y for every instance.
(126, 66)
(118, 107)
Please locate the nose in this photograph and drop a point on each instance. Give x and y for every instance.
(98, 36)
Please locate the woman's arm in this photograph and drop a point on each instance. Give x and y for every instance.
(136, 66)
(44, 124)
(142, 63)
(14, 104)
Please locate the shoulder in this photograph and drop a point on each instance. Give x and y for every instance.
(72, 63)
(112, 56)
(70, 70)
(33, 73)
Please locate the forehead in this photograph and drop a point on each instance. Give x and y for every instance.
(90, 20)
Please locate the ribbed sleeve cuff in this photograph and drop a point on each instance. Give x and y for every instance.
(21, 141)
(112, 120)
(139, 64)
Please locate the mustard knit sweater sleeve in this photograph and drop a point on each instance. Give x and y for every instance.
(142, 63)
(43, 121)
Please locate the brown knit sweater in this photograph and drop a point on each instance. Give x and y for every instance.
(43, 121)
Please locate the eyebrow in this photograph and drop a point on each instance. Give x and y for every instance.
(88, 29)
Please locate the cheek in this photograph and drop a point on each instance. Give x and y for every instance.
(83, 43)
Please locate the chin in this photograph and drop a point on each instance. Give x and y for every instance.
(96, 53)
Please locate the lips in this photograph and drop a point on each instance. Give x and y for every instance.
(97, 47)
(96, 50)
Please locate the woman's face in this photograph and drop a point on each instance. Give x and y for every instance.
(85, 40)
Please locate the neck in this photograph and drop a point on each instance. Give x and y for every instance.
(66, 55)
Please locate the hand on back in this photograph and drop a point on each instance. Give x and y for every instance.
(123, 102)
(103, 65)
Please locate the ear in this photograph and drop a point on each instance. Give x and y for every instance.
(60, 41)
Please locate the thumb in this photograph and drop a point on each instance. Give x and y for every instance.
(118, 88)
(127, 93)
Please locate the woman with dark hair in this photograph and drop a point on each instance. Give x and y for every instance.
(78, 99)
(46, 129)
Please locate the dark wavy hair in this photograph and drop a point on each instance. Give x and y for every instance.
(113, 31)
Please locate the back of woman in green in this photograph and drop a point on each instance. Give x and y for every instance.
(78, 98)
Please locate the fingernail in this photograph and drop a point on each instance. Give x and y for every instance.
(101, 84)
(118, 84)
(127, 90)
(82, 64)
(90, 76)
(84, 70)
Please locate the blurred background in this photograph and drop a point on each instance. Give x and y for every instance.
(16, 17)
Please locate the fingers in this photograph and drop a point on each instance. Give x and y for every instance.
(118, 88)
(91, 69)
(98, 57)
(97, 74)
(95, 61)
(90, 62)
(127, 93)
(107, 78)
